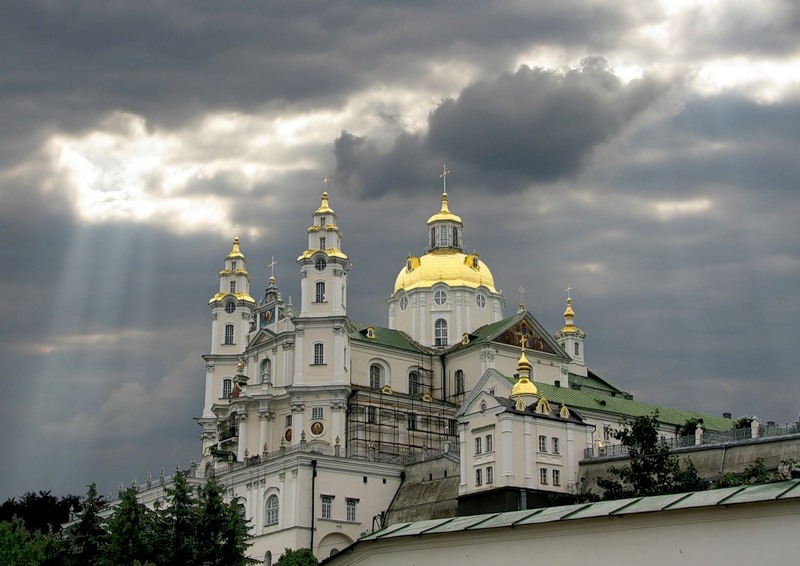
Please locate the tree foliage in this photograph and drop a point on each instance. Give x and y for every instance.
(755, 473)
(42, 512)
(299, 557)
(194, 528)
(652, 470)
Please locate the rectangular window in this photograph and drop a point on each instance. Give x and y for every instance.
(489, 475)
(372, 414)
(488, 443)
(577, 349)
(319, 354)
(229, 334)
(351, 509)
(412, 421)
(233, 286)
(542, 443)
(554, 444)
(233, 265)
(323, 220)
(543, 476)
(322, 243)
(327, 504)
(478, 445)
(288, 421)
(556, 477)
(478, 480)
(317, 412)
(319, 292)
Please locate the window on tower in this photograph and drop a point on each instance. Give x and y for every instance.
(577, 349)
(320, 264)
(433, 237)
(440, 332)
(233, 265)
(229, 329)
(322, 242)
(233, 286)
(230, 306)
(440, 297)
(443, 236)
(455, 236)
(319, 354)
(273, 510)
(319, 293)
(227, 387)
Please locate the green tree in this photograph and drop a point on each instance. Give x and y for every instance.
(179, 521)
(755, 473)
(222, 530)
(130, 533)
(87, 537)
(20, 547)
(41, 512)
(652, 470)
(299, 557)
(689, 427)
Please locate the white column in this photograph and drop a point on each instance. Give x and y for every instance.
(528, 442)
(508, 451)
(462, 442)
(263, 430)
(299, 362)
(242, 437)
(209, 391)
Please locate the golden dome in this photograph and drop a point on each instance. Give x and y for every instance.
(444, 213)
(569, 319)
(523, 386)
(235, 252)
(324, 208)
(449, 266)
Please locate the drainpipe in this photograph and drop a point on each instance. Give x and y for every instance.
(313, 487)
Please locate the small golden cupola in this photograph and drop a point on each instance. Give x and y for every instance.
(524, 386)
(570, 336)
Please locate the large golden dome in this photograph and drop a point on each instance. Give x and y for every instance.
(448, 266)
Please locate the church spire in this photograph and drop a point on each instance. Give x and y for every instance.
(445, 227)
(524, 385)
(570, 336)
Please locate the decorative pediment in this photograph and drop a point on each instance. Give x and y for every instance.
(523, 330)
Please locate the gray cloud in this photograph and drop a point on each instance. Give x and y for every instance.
(539, 125)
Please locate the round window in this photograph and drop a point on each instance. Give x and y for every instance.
(480, 299)
(230, 306)
(440, 297)
(320, 264)
(403, 303)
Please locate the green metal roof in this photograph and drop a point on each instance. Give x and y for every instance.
(618, 405)
(664, 503)
(386, 337)
(594, 381)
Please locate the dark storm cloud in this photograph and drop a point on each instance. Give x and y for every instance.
(536, 124)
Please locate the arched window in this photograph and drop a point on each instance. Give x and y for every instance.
(319, 354)
(266, 371)
(375, 376)
(273, 508)
(433, 237)
(440, 332)
(229, 329)
(227, 387)
(455, 237)
(459, 381)
(319, 295)
(443, 236)
(413, 383)
(268, 558)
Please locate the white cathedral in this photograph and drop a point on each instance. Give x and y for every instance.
(314, 422)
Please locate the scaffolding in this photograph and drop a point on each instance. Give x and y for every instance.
(388, 425)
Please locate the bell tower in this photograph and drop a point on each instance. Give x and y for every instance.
(321, 346)
(232, 307)
(572, 339)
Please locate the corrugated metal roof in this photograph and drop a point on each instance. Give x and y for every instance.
(386, 337)
(726, 496)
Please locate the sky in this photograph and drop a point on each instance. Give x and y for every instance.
(644, 154)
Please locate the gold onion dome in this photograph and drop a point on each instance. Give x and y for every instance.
(448, 266)
(569, 319)
(444, 213)
(235, 252)
(523, 386)
(324, 208)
